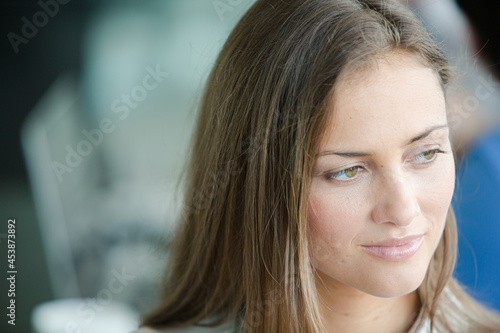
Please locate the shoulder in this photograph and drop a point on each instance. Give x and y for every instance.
(425, 327)
(190, 329)
(228, 327)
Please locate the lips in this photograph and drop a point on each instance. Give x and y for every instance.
(395, 249)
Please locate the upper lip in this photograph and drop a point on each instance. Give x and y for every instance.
(390, 242)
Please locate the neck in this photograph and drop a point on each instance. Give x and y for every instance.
(345, 309)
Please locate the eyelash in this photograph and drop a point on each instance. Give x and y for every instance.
(435, 151)
(334, 175)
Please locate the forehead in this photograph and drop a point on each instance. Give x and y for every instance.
(394, 97)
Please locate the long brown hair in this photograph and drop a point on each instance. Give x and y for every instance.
(241, 250)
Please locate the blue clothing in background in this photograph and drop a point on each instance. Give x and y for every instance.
(477, 206)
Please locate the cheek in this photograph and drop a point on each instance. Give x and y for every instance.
(437, 192)
(333, 226)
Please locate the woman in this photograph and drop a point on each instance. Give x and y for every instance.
(319, 185)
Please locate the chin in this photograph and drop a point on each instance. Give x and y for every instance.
(395, 291)
(398, 284)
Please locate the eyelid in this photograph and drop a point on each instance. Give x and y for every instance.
(419, 150)
(361, 169)
(364, 166)
(436, 151)
(361, 164)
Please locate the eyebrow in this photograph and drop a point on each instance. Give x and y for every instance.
(421, 136)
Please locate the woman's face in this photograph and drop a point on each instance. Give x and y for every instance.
(383, 179)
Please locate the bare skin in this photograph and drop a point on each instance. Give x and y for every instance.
(381, 189)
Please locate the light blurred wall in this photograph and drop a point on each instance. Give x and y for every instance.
(107, 45)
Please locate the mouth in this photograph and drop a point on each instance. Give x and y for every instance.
(395, 249)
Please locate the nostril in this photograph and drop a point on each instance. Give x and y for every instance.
(396, 203)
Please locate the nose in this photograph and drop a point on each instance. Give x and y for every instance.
(396, 201)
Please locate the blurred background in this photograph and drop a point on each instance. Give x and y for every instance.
(98, 99)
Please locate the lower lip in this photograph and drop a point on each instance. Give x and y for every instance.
(395, 253)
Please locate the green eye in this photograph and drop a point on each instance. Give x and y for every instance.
(351, 172)
(345, 174)
(428, 155)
